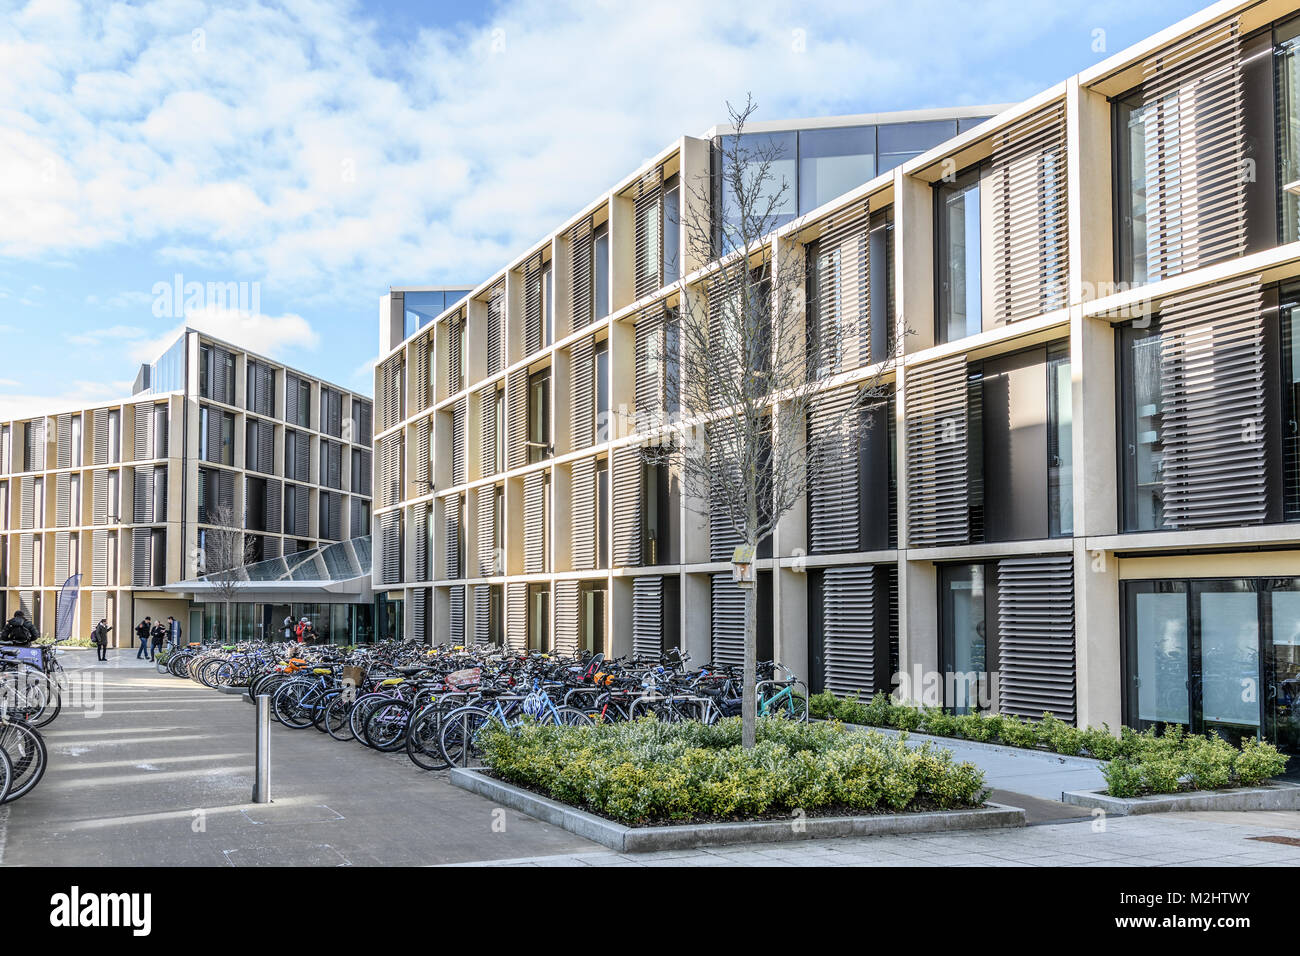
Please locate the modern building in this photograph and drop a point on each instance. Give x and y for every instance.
(126, 493)
(1083, 491)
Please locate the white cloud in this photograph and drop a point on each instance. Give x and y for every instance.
(75, 395)
(99, 336)
(265, 334)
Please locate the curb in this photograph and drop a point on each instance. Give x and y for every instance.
(1077, 763)
(1279, 796)
(648, 839)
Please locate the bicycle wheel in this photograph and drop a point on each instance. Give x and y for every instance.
(162, 663)
(386, 726)
(6, 775)
(456, 736)
(30, 695)
(26, 751)
(361, 713)
(292, 705)
(423, 745)
(336, 718)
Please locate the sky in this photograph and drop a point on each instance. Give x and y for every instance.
(307, 155)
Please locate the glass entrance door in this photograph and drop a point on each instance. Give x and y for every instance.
(1228, 679)
(1282, 666)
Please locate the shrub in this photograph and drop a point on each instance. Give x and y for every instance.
(646, 771)
(822, 705)
(1018, 733)
(1101, 744)
(1257, 762)
(1123, 778)
(1208, 761)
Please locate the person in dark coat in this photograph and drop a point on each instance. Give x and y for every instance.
(158, 635)
(142, 637)
(100, 638)
(19, 630)
(173, 633)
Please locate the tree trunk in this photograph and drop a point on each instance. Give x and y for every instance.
(749, 699)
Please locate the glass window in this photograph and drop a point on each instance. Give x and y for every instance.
(834, 161)
(600, 369)
(1142, 451)
(539, 415)
(539, 614)
(1060, 451)
(499, 445)
(1290, 367)
(1230, 676)
(957, 205)
(896, 143)
(421, 308)
(1287, 84)
(602, 511)
(548, 307)
(783, 171)
(1158, 654)
(672, 231)
(1131, 191)
(965, 646)
(600, 253)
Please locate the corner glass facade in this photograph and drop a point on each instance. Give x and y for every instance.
(168, 374)
(421, 308)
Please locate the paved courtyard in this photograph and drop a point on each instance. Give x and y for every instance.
(164, 775)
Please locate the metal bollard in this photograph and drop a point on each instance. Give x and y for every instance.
(262, 780)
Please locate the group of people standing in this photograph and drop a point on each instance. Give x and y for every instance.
(151, 634)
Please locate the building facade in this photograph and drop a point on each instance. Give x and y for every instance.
(1080, 493)
(125, 493)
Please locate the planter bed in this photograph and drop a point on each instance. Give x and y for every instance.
(677, 836)
(1275, 796)
(1038, 753)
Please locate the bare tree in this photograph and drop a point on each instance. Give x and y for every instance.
(750, 367)
(227, 550)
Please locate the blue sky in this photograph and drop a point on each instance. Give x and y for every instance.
(326, 150)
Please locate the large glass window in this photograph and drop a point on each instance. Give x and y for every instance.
(966, 649)
(781, 150)
(539, 617)
(1131, 191)
(539, 415)
(672, 231)
(600, 369)
(899, 142)
(1141, 450)
(1060, 437)
(602, 513)
(833, 162)
(1287, 85)
(960, 293)
(600, 253)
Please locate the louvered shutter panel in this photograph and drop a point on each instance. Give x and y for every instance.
(495, 330)
(849, 630)
(582, 539)
(35, 455)
(302, 453)
(98, 559)
(583, 397)
(420, 532)
(420, 615)
(334, 462)
(215, 421)
(648, 616)
(64, 427)
(140, 570)
(100, 454)
(63, 500)
(356, 525)
(534, 522)
(421, 373)
(650, 367)
(456, 601)
(533, 305)
(487, 559)
(723, 536)
(222, 386)
(26, 559)
(1030, 228)
(423, 478)
(390, 547)
(390, 383)
(843, 290)
(517, 423)
(628, 478)
(1212, 381)
(62, 547)
(143, 494)
(583, 276)
(365, 478)
(98, 606)
(459, 459)
(453, 512)
(160, 424)
(487, 431)
(517, 616)
(331, 513)
(27, 503)
(567, 627)
(291, 397)
(482, 614)
(27, 601)
(302, 512)
(266, 448)
(937, 511)
(1193, 112)
(648, 211)
(724, 342)
(833, 493)
(454, 359)
(99, 500)
(390, 470)
(274, 506)
(728, 620)
(365, 421)
(1036, 636)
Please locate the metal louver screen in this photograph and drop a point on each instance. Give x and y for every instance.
(98, 606)
(221, 384)
(843, 291)
(1036, 636)
(423, 434)
(216, 420)
(64, 428)
(582, 539)
(99, 498)
(628, 476)
(331, 515)
(390, 547)
(364, 413)
(648, 616)
(455, 360)
(420, 373)
(143, 433)
(62, 547)
(850, 638)
(26, 559)
(100, 424)
(567, 634)
(1212, 380)
(487, 456)
(301, 511)
(390, 470)
(141, 573)
(833, 497)
(99, 558)
(27, 502)
(390, 387)
(650, 367)
(583, 397)
(261, 388)
(534, 522)
(459, 440)
(487, 541)
(456, 613)
(331, 411)
(723, 299)
(517, 424)
(143, 497)
(936, 427)
(517, 616)
(495, 331)
(727, 605)
(583, 293)
(291, 397)
(63, 501)
(482, 613)
(453, 512)
(648, 210)
(331, 463)
(420, 614)
(533, 305)
(1193, 112)
(274, 506)
(723, 536)
(1030, 218)
(420, 536)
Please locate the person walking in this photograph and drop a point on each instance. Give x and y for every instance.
(288, 627)
(173, 633)
(19, 630)
(142, 631)
(100, 638)
(158, 635)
